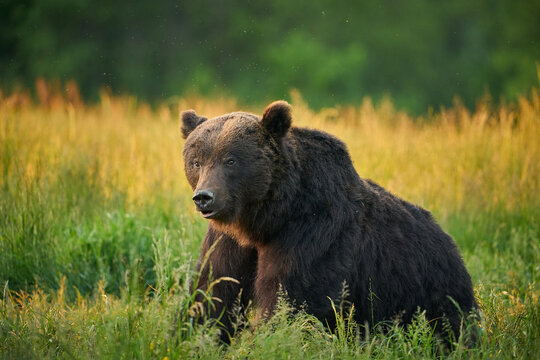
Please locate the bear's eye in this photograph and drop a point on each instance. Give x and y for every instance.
(196, 164)
(230, 162)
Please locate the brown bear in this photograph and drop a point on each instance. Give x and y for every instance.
(287, 210)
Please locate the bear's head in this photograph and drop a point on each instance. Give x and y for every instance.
(232, 160)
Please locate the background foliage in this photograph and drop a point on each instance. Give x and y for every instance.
(419, 51)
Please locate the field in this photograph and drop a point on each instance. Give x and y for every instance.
(98, 234)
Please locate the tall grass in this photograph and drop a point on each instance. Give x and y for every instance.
(98, 234)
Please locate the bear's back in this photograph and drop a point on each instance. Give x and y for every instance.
(322, 160)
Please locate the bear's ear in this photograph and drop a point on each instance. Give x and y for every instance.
(277, 118)
(190, 120)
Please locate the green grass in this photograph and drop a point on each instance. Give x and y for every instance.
(98, 236)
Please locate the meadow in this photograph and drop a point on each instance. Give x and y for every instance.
(98, 234)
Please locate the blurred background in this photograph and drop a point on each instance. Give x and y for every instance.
(421, 53)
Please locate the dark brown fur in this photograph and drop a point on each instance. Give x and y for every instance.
(291, 211)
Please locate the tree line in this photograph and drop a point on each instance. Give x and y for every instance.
(421, 53)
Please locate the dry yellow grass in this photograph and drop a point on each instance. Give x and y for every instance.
(487, 159)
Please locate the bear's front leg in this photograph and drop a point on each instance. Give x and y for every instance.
(221, 257)
(267, 294)
(273, 266)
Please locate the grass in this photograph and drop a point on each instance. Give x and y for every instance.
(98, 236)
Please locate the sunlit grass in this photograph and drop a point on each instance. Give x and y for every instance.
(98, 233)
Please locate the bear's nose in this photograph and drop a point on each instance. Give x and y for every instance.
(203, 198)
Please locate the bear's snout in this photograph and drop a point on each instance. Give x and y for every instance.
(203, 199)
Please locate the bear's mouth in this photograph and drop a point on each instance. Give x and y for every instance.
(208, 214)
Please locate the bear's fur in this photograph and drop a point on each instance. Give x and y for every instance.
(287, 210)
